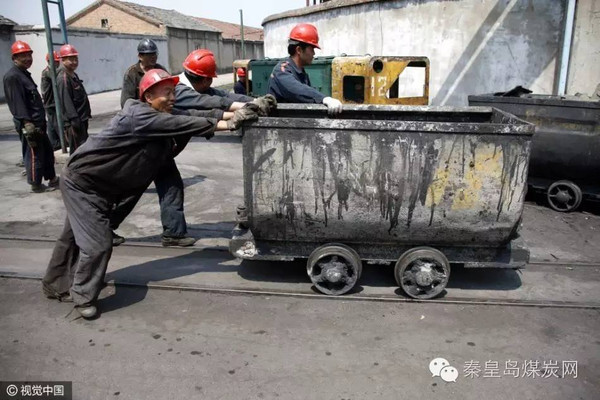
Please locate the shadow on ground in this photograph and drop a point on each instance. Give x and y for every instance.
(587, 206)
(210, 260)
(192, 180)
(141, 275)
(208, 230)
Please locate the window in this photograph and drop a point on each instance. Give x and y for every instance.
(104, 23)
(410, 82)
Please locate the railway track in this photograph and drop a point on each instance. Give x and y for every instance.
(309, 293)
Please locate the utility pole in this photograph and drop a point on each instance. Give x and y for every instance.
(242, 34)
(50, 43)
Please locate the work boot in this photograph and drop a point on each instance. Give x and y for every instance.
(183, 241)
(61, 297)
(53, 182)
(41, 188)
(116, 239)
(87, 310)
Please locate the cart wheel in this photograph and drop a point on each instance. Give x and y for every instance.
(334, 268)
(422, 272)
(564, 196)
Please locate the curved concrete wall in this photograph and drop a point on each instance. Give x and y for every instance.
(475, 46)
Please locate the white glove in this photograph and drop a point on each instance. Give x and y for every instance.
(334, 106)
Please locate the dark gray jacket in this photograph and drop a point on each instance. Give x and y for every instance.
(131, 82)
(186, 98)
(46, 86)
(231, 96)
(124, 158)
(24, 100)
(73, 97)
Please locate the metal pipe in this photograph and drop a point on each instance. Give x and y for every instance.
(242, 34)
(566, 49)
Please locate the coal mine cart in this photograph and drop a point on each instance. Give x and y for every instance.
(424, 187)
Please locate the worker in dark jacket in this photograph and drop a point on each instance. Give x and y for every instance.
(120, 161)
(240, 85)
(48, 97)
(289, 82)
(169, 185)
(73, 98)
(147, 56)
(188, 98)
(200, 68)
(173, 219)
(25, 104)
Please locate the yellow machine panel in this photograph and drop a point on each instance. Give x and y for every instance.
(380, 80)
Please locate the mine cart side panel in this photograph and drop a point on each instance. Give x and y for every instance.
(395, 182)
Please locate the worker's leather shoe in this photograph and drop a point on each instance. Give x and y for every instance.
(183, 241)
(87, 310)
(53, 182)
(41, 188)
(117, 240)
(62, 297)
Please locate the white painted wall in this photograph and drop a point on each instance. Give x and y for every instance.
(103, 57)
(474, 46)
(584, 68)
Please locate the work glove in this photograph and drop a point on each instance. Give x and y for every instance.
(30, 133)
(247, 113)
(266, 105)
(334, 106)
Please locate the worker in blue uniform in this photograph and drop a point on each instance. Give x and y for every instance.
(289, 82)
(240, 85)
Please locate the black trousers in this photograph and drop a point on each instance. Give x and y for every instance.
(76, 137)
(83, 250)
(53, 128)
(38, 160)
(169, 187)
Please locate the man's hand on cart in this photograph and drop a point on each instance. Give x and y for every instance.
(266, 105)
(247, 113)
(334, 106)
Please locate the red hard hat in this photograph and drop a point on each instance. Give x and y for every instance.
(201, 62)
(241, 72)
(20, 47)
(153, 77)
(55, 55)
(66, 50)
(305, 33)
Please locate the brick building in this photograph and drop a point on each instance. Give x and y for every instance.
(183, 33)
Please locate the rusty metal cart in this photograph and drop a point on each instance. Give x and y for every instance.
(420, 186)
